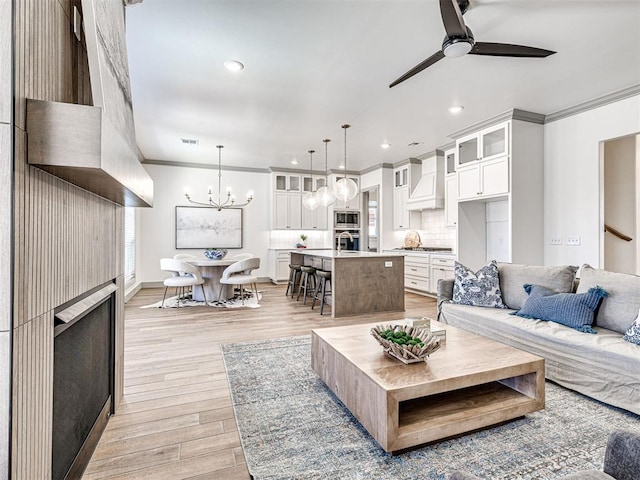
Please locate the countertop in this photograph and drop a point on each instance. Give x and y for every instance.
(342, 254)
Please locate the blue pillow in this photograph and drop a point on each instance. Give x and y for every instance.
(575, 310)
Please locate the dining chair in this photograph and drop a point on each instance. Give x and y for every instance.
(183, 275)
(239, 273)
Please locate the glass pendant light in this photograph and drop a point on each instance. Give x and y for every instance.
(310, 201)
(324, 194)
(346, 188)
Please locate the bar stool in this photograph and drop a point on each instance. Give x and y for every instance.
(307, 282)
(294, 277)
(321, 288)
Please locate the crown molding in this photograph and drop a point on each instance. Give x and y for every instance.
(513, 114)
(595, 103)
(169, 163)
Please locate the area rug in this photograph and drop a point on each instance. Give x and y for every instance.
(187, 301)
(292, 427)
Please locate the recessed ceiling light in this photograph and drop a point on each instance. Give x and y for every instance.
(385, 145)
(233, 65)
(294, 162)
(455, 109)
(341, 167)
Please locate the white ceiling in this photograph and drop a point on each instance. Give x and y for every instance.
(313, 65)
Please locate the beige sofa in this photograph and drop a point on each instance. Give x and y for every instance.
(603, 366)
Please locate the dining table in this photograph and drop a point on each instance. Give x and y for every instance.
(211, 271)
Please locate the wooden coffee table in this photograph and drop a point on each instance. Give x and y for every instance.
(471, 382)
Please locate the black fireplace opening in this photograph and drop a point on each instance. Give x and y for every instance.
(83, 386)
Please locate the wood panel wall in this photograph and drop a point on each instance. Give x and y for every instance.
(66, 240)
(6, 167)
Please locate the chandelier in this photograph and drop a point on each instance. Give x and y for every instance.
(325, 195)
(229, 201)
(346, 188)
(310, 200)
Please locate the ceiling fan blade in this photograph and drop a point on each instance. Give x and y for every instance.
(508, 50)
(452, 18)
(418, 68)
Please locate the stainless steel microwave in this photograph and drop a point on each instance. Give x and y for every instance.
(348, 219)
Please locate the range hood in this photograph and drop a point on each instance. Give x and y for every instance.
(428, 193)
(76, 143)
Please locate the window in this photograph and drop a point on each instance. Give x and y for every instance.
(129, 245)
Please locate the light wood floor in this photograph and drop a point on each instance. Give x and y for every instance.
(176, 420)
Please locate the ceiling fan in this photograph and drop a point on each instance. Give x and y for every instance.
(459, 41)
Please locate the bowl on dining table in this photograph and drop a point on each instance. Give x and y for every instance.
(215, 253)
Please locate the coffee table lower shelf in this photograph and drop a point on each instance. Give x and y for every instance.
(432, 418)
(403, 406)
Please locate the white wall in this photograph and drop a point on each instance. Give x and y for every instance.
(572, 178)
(157, 224)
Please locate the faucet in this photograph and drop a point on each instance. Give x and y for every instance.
(340, 238)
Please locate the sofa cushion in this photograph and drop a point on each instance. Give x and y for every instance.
(513, 276)
(480, 289)
(575, 310)
(620, 308)
(633, 334)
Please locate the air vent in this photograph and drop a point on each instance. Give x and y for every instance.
(413, 144)
(190, 141)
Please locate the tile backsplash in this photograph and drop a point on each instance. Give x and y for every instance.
(434, 232)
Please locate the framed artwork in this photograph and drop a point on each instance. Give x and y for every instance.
(204, 227)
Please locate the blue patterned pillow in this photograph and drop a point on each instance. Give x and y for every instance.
(481, 289)
(633, 334)
(575, 310)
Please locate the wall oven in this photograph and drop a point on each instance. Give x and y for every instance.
(345, 242)
(345, 220)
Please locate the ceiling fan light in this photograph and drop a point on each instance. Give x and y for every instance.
(233, 65)
(456, 47)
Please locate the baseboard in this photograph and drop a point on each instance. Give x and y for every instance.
(131, 291)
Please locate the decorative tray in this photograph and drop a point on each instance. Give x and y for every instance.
(406, 343)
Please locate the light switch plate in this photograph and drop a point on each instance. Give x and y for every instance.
(388, 263)
(556, 240)
(573, 240)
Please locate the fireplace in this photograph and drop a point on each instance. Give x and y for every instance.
(83, 379)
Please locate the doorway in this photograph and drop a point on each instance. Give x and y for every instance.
(370, 225)
(621, 204)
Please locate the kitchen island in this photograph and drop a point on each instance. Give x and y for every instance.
(361, 282)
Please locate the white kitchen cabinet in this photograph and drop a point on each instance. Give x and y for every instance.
(405, 178)
(278, 261)
(417, 272)
(486, 178)
(401, 216)
(451, 200)
(314, 219)
(489, 143)
(287, 182)
(287, 211)
(442, 268)
(508, 173)
(450, 161)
